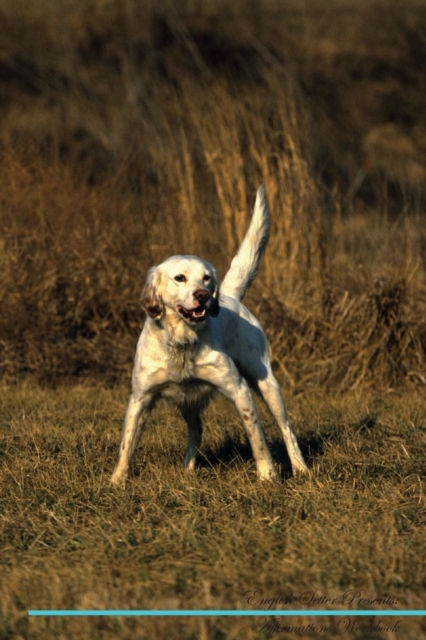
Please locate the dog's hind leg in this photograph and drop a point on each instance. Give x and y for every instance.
(195, 432)
(271, 393)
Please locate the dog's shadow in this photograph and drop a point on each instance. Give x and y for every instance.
(312, 445)
(230, 451)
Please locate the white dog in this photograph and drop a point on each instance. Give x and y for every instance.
(196, 341)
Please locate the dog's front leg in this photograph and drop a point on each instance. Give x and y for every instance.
(136, 415)
(244, 403)
(224, 375)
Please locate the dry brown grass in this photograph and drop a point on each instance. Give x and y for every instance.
(121, 146)
(130, 131)
(172, 540)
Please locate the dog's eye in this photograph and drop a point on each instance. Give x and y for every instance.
(180, 278)
(207, 278)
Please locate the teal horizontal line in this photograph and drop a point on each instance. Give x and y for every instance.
(226, 612)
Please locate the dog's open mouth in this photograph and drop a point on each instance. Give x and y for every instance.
(193, 315)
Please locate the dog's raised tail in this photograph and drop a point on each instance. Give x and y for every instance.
(245, 265)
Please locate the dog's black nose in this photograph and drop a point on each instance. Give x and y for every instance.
(201, 295)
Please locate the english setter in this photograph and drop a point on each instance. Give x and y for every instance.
(196, 340)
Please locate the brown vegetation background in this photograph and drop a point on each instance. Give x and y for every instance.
(130, 131)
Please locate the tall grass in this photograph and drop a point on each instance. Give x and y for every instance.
(133, 132)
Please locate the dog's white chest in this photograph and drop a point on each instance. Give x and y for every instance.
(183, 386)
(181, 364)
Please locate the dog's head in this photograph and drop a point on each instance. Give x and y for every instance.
(183, 285)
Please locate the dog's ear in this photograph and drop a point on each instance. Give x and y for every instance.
(214, 307)
(151, 300)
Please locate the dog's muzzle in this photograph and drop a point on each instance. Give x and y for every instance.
(197, 313)
(193, 315)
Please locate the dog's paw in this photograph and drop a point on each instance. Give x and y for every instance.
(118, 480)
(268, 475)
(299, 467)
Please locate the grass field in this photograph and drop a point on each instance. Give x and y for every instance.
(180, 541)
(130, 131)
